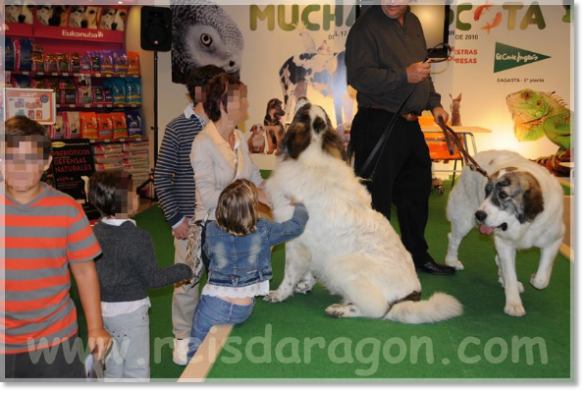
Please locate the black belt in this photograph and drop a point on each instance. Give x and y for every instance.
(410, 116)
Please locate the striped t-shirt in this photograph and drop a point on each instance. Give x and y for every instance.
(173, 175)
(40, 239)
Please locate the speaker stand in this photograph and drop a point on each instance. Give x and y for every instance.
(150, 181)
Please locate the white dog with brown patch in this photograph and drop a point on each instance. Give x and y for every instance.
(349, 247)
(521, 204)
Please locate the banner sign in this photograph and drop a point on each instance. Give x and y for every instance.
(72, 159)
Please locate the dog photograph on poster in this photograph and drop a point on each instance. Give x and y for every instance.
(20, 13)
(203, 34)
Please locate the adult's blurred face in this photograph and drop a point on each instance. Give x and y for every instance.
(394, 9)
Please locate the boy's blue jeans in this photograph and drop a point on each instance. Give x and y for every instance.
(214, 311)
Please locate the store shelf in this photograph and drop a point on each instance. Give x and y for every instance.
(92, 74)
(123, 140)
(98, 106)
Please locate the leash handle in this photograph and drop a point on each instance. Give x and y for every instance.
(452, 137)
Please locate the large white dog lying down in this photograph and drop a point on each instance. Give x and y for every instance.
(347, 246)
(521, 204)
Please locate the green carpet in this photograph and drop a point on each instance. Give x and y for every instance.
(296, 340)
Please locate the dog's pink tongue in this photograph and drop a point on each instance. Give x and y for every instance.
(485, 229)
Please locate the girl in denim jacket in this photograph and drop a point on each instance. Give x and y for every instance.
(238, 248)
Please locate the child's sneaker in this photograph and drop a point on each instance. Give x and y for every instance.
(181, 347)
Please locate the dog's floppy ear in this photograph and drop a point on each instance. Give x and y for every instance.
(532, 198)
(295, 141)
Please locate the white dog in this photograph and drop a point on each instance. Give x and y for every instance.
(83, 17)
(521, 204)
(20, 12)
(113, 19)
(352, 249)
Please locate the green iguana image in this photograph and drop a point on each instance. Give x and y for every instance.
(537, 114)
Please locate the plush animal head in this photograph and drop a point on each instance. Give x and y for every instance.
(511, 194)
(113, 19)
(311, 127)
(274, 109)
(83, 17)
(20, 12)
(455, 102)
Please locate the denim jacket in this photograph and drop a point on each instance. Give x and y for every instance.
(238, 261)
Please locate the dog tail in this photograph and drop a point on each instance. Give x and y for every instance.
(439, 307)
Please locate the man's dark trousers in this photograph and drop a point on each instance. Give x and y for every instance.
(403, 175)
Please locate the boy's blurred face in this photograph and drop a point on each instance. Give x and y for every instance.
(23, 163)
(129, 200)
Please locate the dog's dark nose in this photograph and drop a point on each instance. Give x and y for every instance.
(232, 63)
(480, 215)
(21, 18)
(114, 25)
(84, 24)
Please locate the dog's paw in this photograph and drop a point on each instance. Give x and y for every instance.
(515, 309)
(538, 283)
(520, 285)
(454, 263)
(273, 297)
(336, 310)
(303, 287)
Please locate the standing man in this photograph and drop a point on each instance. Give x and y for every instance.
(385, 51)
(175, 187)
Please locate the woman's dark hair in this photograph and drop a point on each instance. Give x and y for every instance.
(217, 94)
(236, 210)
(17, 128)
(198, 77)
(108, 191)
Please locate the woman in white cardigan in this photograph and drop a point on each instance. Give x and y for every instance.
(219, 154)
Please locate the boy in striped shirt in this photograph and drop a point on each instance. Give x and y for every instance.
(175, 188)
(45, 234)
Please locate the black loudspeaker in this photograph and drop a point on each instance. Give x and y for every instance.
(156, 28)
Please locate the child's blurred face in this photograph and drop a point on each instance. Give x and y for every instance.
(23, 163)
(129, 200)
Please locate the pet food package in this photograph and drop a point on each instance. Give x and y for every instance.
(106, 148)
(63, 62)
(89, 126)
(20, 81)
(95, 63)
(74, 62)
(133, 95)
(98, 95)
(106, 62)
(136, 169)
(110, 158)
(9, 55)
(135, 146)
(108, 167)
(120, 61)
(38, 59)
(24, 55)
(85, 63)
(119, 125)
(58, 128)
(84, 95)
(119, 91)
(105, 127)
(134, 124)
(133, 63)
(72, 125)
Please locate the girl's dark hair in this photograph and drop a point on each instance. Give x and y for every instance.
(18, 127)
(217, 94)
(108, 191)
(236, 210)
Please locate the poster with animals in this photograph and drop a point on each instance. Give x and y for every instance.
(283, 52)
(110, 17)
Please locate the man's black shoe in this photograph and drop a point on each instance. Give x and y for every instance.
(433, 267)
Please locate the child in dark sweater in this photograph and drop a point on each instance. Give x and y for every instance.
(127, 267)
